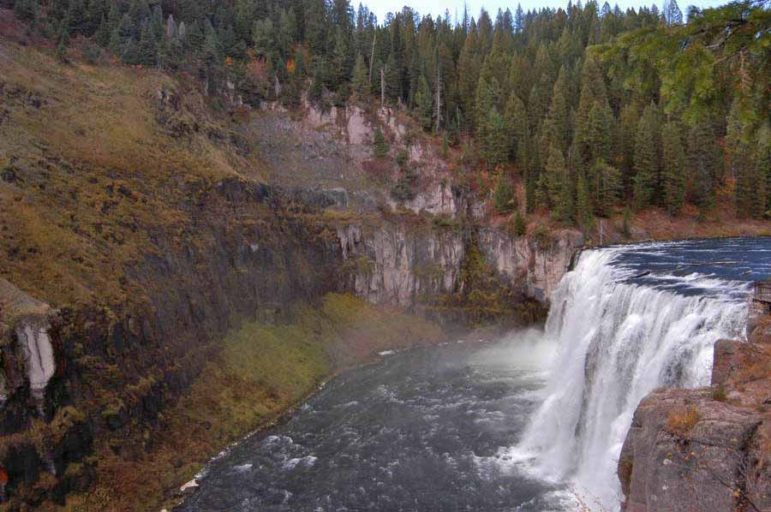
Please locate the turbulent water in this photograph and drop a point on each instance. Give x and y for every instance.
(419, 431)
(629, 320)
(533, 422)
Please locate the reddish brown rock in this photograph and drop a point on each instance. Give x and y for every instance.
(686, 451)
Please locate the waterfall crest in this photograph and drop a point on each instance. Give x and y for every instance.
(618, 340)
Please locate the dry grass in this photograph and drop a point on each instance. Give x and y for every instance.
(88, 171)
(681, 420)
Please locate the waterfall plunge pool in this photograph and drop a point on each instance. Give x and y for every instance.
(531, 422)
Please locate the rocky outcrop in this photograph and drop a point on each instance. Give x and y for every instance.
(402, 264)
(27, 353)
(706, 449)
(686, 451)
(533, 263)
(392, 264)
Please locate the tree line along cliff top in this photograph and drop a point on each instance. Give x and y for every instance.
(588, 106)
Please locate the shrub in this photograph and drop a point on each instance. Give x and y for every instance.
(92, 53)
(542, 237)
(504, 196)
(402, 157)
(404, 190)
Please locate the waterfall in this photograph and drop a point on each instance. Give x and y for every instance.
(618, 340)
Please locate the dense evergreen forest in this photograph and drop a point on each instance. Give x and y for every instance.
(591, 107)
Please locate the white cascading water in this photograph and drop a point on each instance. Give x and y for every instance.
(618, 341)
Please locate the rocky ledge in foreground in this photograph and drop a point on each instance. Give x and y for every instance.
(706, 449)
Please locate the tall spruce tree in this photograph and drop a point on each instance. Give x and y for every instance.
(673, 165)
(584, 215)
(606, 187)
(703, 163)
(646, 158)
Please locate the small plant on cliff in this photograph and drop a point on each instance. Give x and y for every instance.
(681, 420)
(380, 145)
(520, 226)
(505, 201)
(719, 394)
(404, 189)
(542, 237)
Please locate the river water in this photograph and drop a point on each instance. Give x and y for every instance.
(530, 422)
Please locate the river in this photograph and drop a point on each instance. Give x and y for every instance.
(530, 422)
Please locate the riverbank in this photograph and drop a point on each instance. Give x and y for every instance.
(262, 371)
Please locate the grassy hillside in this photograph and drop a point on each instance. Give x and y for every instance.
(92, 159)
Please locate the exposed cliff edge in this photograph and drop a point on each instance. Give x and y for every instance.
(706, 449)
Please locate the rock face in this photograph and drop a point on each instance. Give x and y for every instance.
(38, 354)
(29, 358)
(86, 373)
(394, 264)
(706, 449)
(686, 451)
(537, 265)
(391, 265)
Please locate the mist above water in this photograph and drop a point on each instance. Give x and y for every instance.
(533, 422)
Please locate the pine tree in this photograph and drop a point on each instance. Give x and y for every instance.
(264, 37)
(380, 145)
(495, 141)
(517, 128)
(673, 164)
(628, 120)
(606, 188)
(26, 10)
(555, 129)
(552, 180)
(360, 80)
(626, 225)
(599, 132)
(703, 163)
(424, 103)
(752, 172)
(520, 226)
(147, 49)
(584, 216)
(504, 196)
(646, 159)
(747, 183)
(763, 164)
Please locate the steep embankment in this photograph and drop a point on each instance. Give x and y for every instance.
(706, 449)
(139, 225)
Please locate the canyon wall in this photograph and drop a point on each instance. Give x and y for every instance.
(81, 376)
